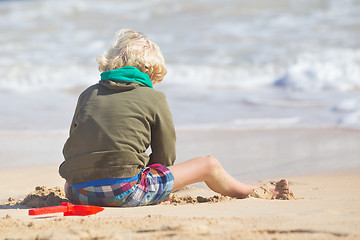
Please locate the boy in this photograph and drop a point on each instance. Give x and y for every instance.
(116, 121)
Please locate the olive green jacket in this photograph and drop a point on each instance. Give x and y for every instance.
(113, 126)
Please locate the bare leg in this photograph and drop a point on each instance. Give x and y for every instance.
(209, 170)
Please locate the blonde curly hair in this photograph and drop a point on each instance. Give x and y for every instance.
(134, 49)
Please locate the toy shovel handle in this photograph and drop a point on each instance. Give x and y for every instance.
(65, 207)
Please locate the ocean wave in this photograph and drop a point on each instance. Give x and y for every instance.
(30, 77)
(208, 76)
(331, 69)
(328, 70)
(238, 45)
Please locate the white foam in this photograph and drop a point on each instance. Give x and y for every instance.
(29, 77)
(243, 77)
(336, 69)
(246, 123)
(347, 105)
(350, 120)
(268, 122)
(332, 69)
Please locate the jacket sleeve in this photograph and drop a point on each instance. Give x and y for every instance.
(73, 122)
(163, 136)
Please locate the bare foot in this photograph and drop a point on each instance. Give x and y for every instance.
(282, 190)
(274, 190)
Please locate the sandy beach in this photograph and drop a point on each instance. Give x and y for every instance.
(328, 206)
(269, 88)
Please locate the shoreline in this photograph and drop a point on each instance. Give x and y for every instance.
(194, 129)
(37, 148)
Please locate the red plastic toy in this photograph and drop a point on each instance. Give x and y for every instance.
(68, 209)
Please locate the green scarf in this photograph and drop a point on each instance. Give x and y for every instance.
(127, 74)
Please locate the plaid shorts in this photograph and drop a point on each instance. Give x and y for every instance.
(152, 185)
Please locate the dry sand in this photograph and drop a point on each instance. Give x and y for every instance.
(328, 208)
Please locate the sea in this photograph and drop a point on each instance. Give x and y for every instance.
(232, 64)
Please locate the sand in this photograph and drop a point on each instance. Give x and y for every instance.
(328, 208)
(327, 204)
